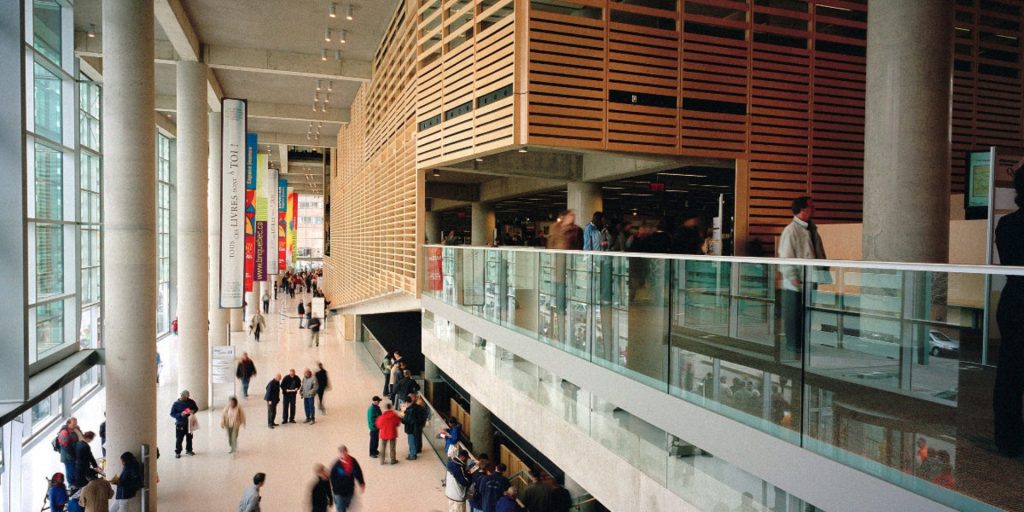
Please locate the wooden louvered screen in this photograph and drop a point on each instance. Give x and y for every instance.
(375, 201)
(987, 86)
(466, 67)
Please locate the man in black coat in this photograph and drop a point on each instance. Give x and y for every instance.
(85, 464)
(345, 473)
(290, 385)
(273, 396)
(322, 498)
(405, 387)
(414, 419)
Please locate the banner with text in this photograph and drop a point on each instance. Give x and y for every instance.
(260, 262)
(282, 225)
(232, 203)
(251, 147)
(271, 190)
(290, 215)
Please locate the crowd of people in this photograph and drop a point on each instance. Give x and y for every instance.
(83, 486)
(481, 486)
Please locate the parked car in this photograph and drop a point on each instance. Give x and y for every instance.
(942, 345)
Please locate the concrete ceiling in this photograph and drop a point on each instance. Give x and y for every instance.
(255, 33)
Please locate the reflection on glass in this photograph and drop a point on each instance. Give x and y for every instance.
(49, 183)
(47, 103)
(49, 327)
(49, 252)
(46, 28)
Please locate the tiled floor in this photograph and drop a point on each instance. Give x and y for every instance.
(214, 480)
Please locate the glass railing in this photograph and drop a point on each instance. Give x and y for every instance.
(888, 368)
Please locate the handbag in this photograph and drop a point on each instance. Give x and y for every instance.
(193, 423)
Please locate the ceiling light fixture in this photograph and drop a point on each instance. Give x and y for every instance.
(332, 10)
(523, 150)
(436, 173)
(92, 30)
(349, 12)
(323, 54)
(327, 35)
(344, 36)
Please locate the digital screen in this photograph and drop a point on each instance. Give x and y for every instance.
(979, 166)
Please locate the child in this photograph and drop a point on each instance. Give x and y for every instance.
(58, 493)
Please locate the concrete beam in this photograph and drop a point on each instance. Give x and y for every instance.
(601, 166)
(507, 188)
(535, 164)
(456, 191)
(278, 111)
(171, 16)
(277, 62)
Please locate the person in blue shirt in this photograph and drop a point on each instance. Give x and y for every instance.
(452, 433)
(57, 493)
(492, 487)
(507, 502)
(593, 236)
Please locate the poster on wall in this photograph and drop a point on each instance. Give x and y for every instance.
(327, 205)
(232, 203)
(435, 272)
(260, 260)
(282, 225)
(272, 208)
(293, 227)
(251, 146)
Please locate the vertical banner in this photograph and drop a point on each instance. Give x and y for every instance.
(232, 203)
(260, 260)
(282, 225)
(328, 167)
(435, 270)
(251, 147)
(272, 208)
(290, 214)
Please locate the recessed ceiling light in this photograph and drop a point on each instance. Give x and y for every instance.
(327, 35)
(332, 10)
(523, 150)
(92, 30)
(349, 12)
(323, 54)
(344, 36)
(436, 173)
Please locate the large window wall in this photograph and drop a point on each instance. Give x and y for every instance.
(89, 208)
(165, 194)
(52, 178)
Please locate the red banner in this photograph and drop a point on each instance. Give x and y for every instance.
(435, 272)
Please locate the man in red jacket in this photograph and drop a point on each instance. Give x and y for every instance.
(387, 424)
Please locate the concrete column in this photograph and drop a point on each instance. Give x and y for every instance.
(432, 226)
(193, 262)
(585, 198)
(129, 229)
(481, 428)
(220, 319)
(237, 320)
(907, 141)
(482, 217)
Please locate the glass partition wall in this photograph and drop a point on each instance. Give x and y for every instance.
(879, 366)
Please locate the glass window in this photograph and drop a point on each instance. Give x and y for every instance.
(49, 327)
(47, 103)
(164, 167)
(49, 260)
(49, 186)
(46, 28)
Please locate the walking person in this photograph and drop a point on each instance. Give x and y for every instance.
(309, 312)
(387, 425)
(456, 482)
(308, 390)
(414, 419)
(266, 303)
(314, 331)
(183, 410)
(246, 370)
(232, 419)
(322, 498)
(372, 413)
(251, 497)
(128, 483)
(257, 325)
(272, 397)
(345, 474)
(322, 385)
(302, 313)
(290, 386)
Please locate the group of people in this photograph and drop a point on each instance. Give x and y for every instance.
(480, 486)
(332, 486)
(298, 282)
(690, 236)
(83, 486)
(311, 387)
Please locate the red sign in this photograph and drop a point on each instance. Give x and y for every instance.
(435, 272)
(657, 186)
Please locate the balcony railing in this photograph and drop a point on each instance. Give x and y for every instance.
(888, 368)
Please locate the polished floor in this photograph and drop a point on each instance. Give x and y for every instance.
(214, 479)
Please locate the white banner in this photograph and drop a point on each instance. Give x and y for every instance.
(272, 198)
(232, 203)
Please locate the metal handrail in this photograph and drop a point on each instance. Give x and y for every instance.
(853, 264)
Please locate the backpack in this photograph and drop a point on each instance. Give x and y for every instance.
(64, 439)
(56, 444)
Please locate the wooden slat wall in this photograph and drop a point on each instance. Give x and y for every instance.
(374, 196)
(466, 50)
(987, 85)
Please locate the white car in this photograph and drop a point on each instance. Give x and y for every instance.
(942, 345)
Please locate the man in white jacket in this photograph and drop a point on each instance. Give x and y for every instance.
(800, 240)
(457, 481)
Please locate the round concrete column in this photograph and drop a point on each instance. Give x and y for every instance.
(482, 218)
(432, 227)
(481, 428)
(193, 268)
(129, 229)
(219, 318)
(907, 141)
(585, 199)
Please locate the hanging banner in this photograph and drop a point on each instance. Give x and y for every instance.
(435, 270)
(232, 203)
(290, 216)
(282, 225)
(251, 146)
(260, 260)
(271, 191)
